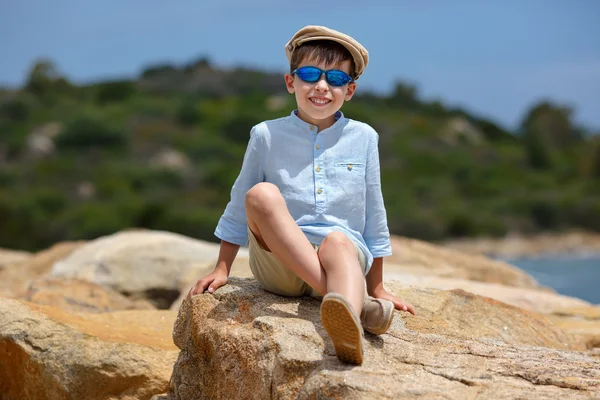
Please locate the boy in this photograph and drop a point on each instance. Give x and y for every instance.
(308, 198)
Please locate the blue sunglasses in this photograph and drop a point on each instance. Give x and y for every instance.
(334, 77)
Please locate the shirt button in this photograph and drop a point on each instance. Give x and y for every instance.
(318, 169)
(318, 146)
(319, 191)
(312, 127)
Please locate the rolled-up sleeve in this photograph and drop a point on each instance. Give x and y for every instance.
(376, 233)
(233, 225)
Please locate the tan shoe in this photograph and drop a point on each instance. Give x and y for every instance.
(343, 327)
(377, 315)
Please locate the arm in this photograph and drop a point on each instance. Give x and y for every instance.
(375, 287)
(232, 226)
(219, 276)
(376, 231)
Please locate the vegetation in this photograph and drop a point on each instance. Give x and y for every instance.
(162, 152)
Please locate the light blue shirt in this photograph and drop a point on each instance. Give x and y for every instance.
(330, 181)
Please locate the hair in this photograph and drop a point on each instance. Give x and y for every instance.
(325, 51)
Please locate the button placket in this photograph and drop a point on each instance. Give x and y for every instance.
(319, 177)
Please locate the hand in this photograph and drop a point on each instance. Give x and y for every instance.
(398, 302)
(212, 282)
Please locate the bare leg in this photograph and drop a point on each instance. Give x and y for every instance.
(344, 275)
(275, 229)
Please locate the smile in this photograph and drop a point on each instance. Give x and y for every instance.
(319, 101)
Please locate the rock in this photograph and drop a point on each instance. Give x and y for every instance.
(80, 296)
(86, 190)
(40, 142)
(576, 317)
(245, 343)
(240, 269)
(459, 130)
(8, 257)
(41, 263)
(45, 353)
(15, 280)
(141, 264)
(171, 159)
(461, 314)
(586, 330)
(532, 299)
(518, 245)
(418, 257)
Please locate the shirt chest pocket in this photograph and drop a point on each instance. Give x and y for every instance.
(350, 173)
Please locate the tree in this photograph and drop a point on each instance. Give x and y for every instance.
(548, 133)
(85, 133)
(44, 80)
(594, 171)
(553, 123)
(404, 95)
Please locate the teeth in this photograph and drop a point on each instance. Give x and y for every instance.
(320, 101)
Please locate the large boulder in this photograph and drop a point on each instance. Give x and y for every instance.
(418, 257)
(80, 296)
(8, 257)
(141, 264)
(48, 354)
(239, 269)
(16, 277)
(245, 343)
(518, 245)
(575, 316)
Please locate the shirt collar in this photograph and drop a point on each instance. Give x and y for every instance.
(339, 121)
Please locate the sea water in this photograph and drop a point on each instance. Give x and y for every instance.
(576, 276)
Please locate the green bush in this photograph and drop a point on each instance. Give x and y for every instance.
(237, 129)
(15, 110)
(85, 133)
(188, 113)
(117, 91)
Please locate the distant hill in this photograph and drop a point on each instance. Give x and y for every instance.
(162, 151)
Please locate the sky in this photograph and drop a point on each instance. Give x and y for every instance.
(495, 59)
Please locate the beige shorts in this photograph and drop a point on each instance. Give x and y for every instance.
(274, 277)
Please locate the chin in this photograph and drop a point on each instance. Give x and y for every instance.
(323, 113)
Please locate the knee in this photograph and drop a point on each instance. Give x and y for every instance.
(336, 242)
(263, 197)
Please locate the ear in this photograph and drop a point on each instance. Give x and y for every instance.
(289, 83)
(350, 91)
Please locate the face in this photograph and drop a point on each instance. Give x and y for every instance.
(318, 102)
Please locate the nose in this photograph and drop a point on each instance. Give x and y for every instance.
(322, 85)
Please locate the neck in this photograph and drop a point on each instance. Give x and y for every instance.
(322, 124)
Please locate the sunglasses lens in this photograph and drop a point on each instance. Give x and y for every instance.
(313, 74)
(309, 74)
(337, 78)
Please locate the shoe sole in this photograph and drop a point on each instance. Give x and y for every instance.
(343, 330)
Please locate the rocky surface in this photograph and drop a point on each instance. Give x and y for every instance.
(16, 277)
(575, 316)
(66, 339)
(8, 257)
(151, 265)
(518, 246)
(49, 354)
(80, 296)
(418, 257)
(244, 343)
